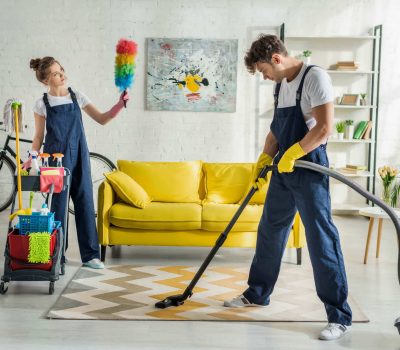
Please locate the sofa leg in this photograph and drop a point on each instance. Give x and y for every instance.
(298, 252)
(103, 253)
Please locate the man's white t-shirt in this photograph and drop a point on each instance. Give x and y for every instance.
(317, 90)
(40, 107)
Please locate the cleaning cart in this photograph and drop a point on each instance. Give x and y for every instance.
(16, 264)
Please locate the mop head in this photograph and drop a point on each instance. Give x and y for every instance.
(39, 247)
(125, 64)
(8, 116)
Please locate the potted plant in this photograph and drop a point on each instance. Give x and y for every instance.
(307, 56)
(387, 175)
(363, 101)
(349, 130)
(340, 129)
(395, 195)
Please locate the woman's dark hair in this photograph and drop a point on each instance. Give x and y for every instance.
(262, 50)
(41, 66)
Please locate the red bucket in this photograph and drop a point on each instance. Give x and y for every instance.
(19, 251)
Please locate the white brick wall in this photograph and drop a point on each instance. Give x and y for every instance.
(82, 34)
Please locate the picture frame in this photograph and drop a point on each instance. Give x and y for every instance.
(349, 99)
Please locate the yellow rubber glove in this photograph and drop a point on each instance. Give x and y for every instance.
(263, 160)
(286, 164)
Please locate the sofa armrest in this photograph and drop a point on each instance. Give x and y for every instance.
(106, 198)
(299, 235)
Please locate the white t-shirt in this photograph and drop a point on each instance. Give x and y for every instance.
(40, 107)
(317, 90)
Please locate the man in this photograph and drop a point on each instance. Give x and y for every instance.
(302, 121)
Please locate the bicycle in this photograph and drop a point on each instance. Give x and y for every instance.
(99, 164)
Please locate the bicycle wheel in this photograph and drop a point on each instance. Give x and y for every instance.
(98, 166)
(7, 181)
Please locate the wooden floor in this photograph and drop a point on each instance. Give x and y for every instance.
(374, 286)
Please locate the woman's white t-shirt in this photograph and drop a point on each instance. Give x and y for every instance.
(40, 108)
(317, 90)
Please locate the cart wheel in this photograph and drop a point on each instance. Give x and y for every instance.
(3, 288)
(51, 288)
(62, 269)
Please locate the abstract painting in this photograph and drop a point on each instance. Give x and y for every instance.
(191, 75)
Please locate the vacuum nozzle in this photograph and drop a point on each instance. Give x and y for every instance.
(173, 300)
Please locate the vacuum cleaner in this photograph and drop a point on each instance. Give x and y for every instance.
(179, 299)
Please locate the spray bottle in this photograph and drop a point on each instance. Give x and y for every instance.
(35, 171)
(59, 157)
(45, 159)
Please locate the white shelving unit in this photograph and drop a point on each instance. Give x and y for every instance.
(326, 51)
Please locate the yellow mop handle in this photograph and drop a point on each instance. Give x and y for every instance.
(15, 106)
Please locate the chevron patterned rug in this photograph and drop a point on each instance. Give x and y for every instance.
(123, 292)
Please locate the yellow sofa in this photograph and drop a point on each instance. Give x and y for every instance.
(191, 204)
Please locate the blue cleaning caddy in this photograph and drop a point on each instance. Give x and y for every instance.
(36, 223)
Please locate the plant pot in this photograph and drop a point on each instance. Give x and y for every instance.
(363, 102)
(349, 132)
(340, 135)
(307, 60)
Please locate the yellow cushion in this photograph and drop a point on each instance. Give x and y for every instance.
(128, 189)
(157, 216)
(176, 182)
(215, 217)
(226, 182)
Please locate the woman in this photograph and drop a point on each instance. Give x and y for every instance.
(59, 110)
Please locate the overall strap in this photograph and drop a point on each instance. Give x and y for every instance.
(73, 96)
(276, 94)
(46, 100)
(300, 89)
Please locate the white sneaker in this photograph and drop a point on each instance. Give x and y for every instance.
(240, 301)
(94, 264)
(334, 331)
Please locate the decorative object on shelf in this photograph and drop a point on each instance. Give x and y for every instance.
(349, 130)
(349, 99)
(354, 169)
(340, 129)
(387, 174)
(363, 130)
(196, 75)
(346, 65)
(307, 56)
(363, 101)
(395, 195)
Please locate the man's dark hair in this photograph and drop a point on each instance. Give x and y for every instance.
(262, 50)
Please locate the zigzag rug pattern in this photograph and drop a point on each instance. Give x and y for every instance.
(126, 292)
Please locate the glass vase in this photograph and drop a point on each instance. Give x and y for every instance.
(386, 195)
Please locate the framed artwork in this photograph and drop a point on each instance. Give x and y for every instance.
(191, 75)
(349, 99)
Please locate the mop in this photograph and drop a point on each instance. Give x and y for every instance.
(13, 114)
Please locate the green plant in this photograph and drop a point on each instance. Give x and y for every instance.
(363, 96)
(349, 122)
(307, 53)
(387, 174)
(340, 127)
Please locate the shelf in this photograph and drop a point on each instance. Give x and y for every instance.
(353, 107)
(360, 174)
(349, 141)
(333, 71)
(347, 208)
(339, 37)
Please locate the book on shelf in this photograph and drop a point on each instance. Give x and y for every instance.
(367, 133)
(360, 129)
(356, 166)
(347, 170)
(346, 65)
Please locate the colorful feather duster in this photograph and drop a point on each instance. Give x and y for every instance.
(125, 64)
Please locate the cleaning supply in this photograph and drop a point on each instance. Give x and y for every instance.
(45, 159)
(286, 164)
(125, 64)
(59, 157)
(39, 247)
(44, 210)
(35, 170)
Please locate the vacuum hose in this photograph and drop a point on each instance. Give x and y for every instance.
(324, 170)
